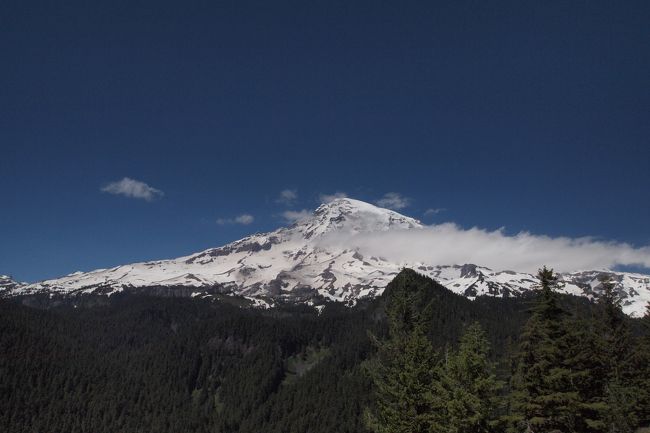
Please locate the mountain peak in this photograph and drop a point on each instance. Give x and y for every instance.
(353, 216)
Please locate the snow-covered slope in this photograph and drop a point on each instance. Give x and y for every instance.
(471, 281)
(8, 285)
(295, 264)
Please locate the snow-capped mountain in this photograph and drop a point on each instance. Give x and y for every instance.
(7, 284)
(295, 263)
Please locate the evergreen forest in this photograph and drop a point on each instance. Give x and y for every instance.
(417, 359)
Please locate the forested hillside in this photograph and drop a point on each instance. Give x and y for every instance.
(147, 364)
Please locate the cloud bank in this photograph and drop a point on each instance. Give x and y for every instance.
(132, 188)
(448, 244)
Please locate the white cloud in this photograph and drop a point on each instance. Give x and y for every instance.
(292, 216)
(393, 200)
(327, 198)
(243, 219)
(524, 252)
(287, 196)
(133, 189)
(434, 211)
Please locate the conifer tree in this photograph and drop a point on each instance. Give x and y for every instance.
(543, 398)
(620, 394)
(471, 388)
(405, 372)
(614, 328)
(640, 367)
(586, 356)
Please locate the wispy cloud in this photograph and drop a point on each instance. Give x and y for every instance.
(243, 219)
(132, 188)
(525, 252)
(327, 198)
(292, 216)
(393, 200)
(434, 211)
(287, 197)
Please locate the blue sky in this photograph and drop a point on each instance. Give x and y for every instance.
(525, 115)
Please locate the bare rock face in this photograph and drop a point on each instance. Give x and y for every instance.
(295, 264)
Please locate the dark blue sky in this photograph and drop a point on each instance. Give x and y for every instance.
(528, 115)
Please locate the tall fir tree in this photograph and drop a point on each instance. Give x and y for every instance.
(405, 372)
(471, 389)
(586, 356)
(640, 367)
(620, 394)
(614, 328)
(543, 397)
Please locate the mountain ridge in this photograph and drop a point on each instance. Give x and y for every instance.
(296, 264)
